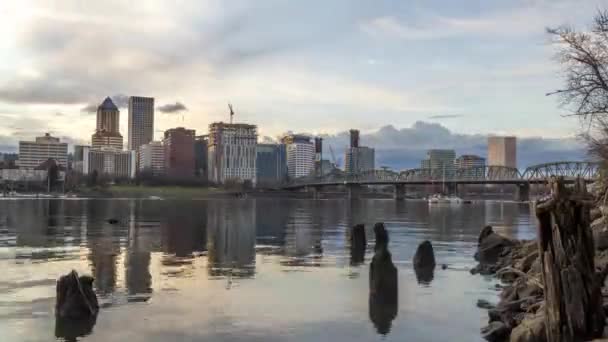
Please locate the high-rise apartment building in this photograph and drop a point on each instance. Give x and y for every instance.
(271, 164)
(107, 133)
(34, 153)
(358, 159)
(440, 162)
(179, 152)
(300, 155)
(232, 152)
(151, 158)
(502, 151)
(141, 121)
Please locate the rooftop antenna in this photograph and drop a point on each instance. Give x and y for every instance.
(231, 112)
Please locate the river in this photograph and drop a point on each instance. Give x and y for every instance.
(244, 270)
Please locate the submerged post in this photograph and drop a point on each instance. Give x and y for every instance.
(573, 305)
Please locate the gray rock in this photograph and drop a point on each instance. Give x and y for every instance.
(492, 247)
(531, 329)
(600, 238)
(495, 332)
(484, 304)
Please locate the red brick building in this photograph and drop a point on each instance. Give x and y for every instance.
(179, 152)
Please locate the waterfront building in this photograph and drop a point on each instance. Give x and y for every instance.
(502, 151)
(470, 166)
(151, 157)
(300, 155)
(78, 157)
(179, 152)
(34, 153)
(201, 156)
(141, 121)
(440, 162)
(232, 152)
(358, 159)
(109, 161)
(107, 133)
(271, 164)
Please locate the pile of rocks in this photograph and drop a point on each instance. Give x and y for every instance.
(519, 315)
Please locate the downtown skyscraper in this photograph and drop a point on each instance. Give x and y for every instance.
(141, 121)
(107, 132)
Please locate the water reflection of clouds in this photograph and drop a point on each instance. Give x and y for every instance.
(186, 245)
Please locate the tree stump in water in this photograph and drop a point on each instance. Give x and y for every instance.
(573, 305)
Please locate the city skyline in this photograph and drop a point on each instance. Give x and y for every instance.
(399, 58)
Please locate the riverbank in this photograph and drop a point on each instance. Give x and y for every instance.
(520, 315)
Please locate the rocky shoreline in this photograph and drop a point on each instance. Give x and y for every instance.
(519, 315)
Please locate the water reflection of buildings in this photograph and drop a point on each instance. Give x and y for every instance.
(103, 240)
(303, 237)
(138, 279)
(231, 236)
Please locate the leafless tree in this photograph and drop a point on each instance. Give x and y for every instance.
(584, 55)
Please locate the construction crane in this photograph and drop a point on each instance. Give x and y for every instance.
(231, 112)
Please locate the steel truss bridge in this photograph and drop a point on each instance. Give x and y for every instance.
(535, 174)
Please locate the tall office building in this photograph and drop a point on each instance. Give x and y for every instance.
(502, 151)
(179, 152)
(271, 164)
(151, 158)
(440, 162)
(300, 155)
(358, 159)
(141, 121)
(107, 133)
(34, 153)
(232, 152)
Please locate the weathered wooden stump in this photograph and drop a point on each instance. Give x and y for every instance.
(573, 305)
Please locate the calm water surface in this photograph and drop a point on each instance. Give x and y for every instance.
(244, 270)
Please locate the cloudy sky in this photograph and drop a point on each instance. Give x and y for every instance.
(398, 69)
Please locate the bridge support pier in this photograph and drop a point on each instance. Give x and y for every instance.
(353, 190)
(461, 190)
(523, 192)
(451, 188)
(399, 192)
(315, 191)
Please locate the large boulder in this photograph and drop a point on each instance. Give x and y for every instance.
(492, 246)
(495, 332)
(600, 234)
(531, 329)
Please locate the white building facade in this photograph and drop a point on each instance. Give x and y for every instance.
(109, 162)
(34, 153)
(300, 155)
(151, 157)
(232, 152)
